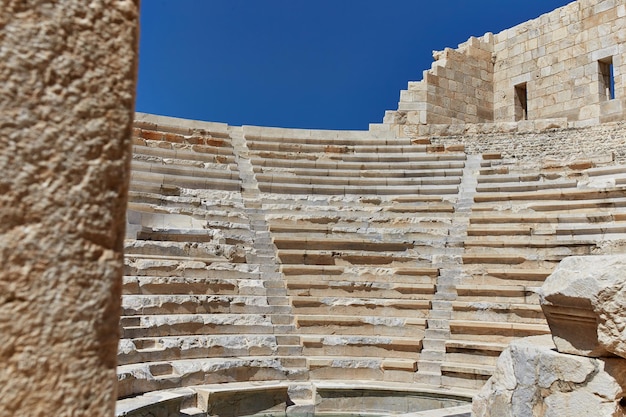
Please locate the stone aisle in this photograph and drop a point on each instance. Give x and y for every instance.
(265, 255)
(431, 365)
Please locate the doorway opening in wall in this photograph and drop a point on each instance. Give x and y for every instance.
(607, 79)
(521, 102)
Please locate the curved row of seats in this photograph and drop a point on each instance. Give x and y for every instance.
(522, 225)
(262, 254)
(356, 222)
(195, 310)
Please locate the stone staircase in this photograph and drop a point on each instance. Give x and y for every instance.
(522, 225)
(357, 222)
(196, 307)
(283, 256)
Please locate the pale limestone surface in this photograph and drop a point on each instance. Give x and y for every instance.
(355, 255)
(532, 379)
(66, 107)
(584, 300)
(558, 59)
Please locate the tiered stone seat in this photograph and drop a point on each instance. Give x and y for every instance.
(195, 307)
(343, 163)
(356, 222)
(521, 226)
(273, 255)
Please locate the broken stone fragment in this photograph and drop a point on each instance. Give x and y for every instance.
(532, 379)
(584, 302)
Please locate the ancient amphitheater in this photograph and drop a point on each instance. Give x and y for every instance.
(272, 271)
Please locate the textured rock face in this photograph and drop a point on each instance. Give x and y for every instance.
(584, 301)
(531, 379)
(66, 105)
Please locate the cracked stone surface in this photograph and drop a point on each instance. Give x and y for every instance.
(66, 110)
(584, 301)
(532, 379)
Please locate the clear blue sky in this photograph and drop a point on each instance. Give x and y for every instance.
(329, 64)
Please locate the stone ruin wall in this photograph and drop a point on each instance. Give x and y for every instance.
(556, 61)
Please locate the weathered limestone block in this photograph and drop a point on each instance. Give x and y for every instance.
(584, 301)
(531, 379)
(66, 109)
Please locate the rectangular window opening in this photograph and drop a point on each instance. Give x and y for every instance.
(521, 102)
(607, 79)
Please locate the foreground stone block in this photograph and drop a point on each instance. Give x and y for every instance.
(532, 379)
(66, 109)
(584, 302)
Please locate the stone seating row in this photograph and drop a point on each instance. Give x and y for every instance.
(354, 278)
(434, 162)
(194, 308)
(360, 285)
(514, 242)
(325, 147)
(344, 280)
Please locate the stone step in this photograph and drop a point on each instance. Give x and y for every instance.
(336, 180)
(366, 368)
(186, 285)
(335, 270)
(228, 207)
(136, 379)
(361, 173)
(577, 245)
(207, 154)
(574, 195)
(381, 289)
(480, 347)
(527, 311)
(364, 230)
(492, 218)
(169, 401)
(198, 304)
(361, 157)
(472, 370)
(515, 291)
(307, 189)
(360, 325)
(339, 139)
(338, 306)
(156, 349)
(428, 162)
(494, 258)
(356, 346)
(614, 170)
(487, 177)
(326, 257)
(497, 331)
(362, 362)
(133, 327)
(308, 242)
(183, 170)
(203, 183)
(525, 186)
(521, 274)
(426, 208)
(351, 148)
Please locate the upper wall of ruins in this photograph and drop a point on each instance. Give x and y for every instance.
(569, 63)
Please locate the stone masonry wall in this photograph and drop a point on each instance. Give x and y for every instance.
(557, 56)
(556, 66)
(457, 86)
(66, 110)
(455, 90)
(599, 145)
